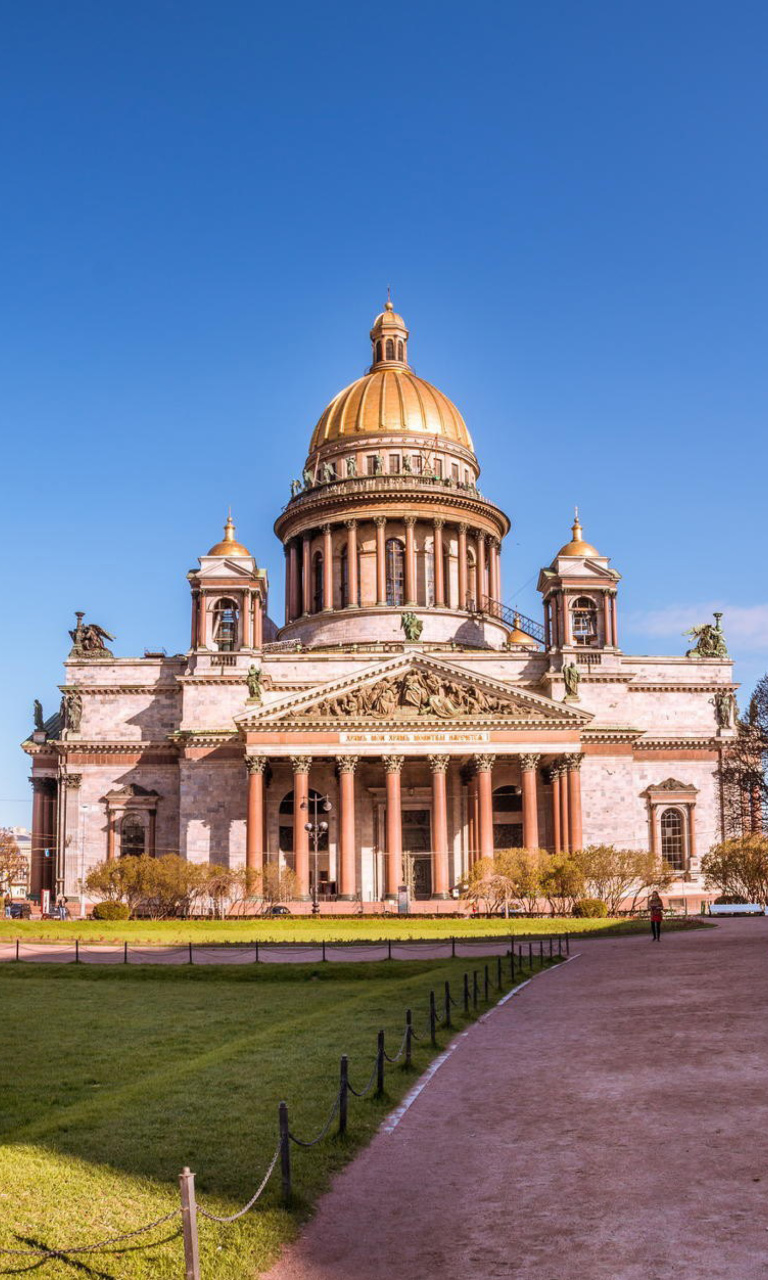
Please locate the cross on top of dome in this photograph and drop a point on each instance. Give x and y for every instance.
(389, 338)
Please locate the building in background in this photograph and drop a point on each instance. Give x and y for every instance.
(439, 724)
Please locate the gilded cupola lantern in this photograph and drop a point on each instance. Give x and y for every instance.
(229, 600)
(389, 338)
(579, 590)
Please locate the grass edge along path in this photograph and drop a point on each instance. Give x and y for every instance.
(318, 929)
(252, 1244)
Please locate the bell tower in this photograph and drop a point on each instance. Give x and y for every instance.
(579, 591)
(229, 600)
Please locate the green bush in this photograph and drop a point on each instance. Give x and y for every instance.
(730, 900)
(111, 911)
(590, 908)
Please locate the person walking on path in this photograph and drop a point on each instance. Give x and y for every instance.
(657, 915)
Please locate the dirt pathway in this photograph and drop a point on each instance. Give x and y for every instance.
(610, 1122)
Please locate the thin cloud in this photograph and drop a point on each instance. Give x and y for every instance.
(745, 626)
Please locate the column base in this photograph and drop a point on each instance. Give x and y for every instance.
(439, 897)
(390, 897)
(346, 897)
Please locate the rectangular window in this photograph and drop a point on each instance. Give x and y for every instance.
(394, 464)
(417, 463)
(370, 464)
(439, 468)
(454, 470)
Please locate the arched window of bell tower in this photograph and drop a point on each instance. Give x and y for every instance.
(225, 620)
(378, 351)
(584, 619)
(390, 349)
(400, 349)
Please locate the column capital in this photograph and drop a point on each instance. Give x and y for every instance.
(327, 527)
(439, 522)
(462, 526)
(481, 536)
(347, 764)
(72, 781)
(529, 760)
(484, 764)
(393, 764)
(301, 764)
(350, 524)
(380, 521)
(494, 542)
(572, 762)
(439, 764)
(409, 521)
(256, 764)
(557, 768)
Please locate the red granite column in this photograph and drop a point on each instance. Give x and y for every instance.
(381, 559)
(557, 841)
(494, 588)
(439, 565)
(463, 589)
(111, 824)
(691, 834)
(482, 586)
(245, 620)
(564, 810)
(152, 850)
(301, 815)
(393, 766)
(201, 620)
(410, 561)
(293, 580)
(258, 622)
(529, 764)
(327, 568)
(254, 827)
(484, 765)
(615, 621)
(573, 763)
(306, 573)
(439, 766)
(195, 609)
(288, 583)
(347, 844)
(37, 843)
(353, 585)
(607, 620)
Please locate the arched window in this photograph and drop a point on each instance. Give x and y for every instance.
(225, 616)
(318, 581)
(344, 581)
(429, 574)
(584, 621)
(673, 838)
(507, 818)
(133, 837)
(400, 349)
(378, 350)
(395, 559)
(390, 349)
(285, 822)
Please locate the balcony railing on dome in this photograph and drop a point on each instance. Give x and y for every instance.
(385, 484)
(509, 616)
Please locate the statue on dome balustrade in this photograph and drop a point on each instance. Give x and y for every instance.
(308, 478)
(352, 467)
(295, 488)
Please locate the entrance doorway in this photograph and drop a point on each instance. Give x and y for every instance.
(417, 855)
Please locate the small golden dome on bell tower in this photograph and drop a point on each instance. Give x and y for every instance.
(229, 546)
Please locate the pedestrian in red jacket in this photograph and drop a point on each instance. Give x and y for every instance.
(657, 915)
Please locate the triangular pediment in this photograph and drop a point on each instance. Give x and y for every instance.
(226, 567)
(414, 690)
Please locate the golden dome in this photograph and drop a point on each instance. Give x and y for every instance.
(390, 398)
(229, 546)
(387, 401)
(577, 546)
(518, 636)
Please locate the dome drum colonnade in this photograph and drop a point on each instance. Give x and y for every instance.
(562, 774)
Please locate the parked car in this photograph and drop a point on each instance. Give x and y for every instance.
(277, 910)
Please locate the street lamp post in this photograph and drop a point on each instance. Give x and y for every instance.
(84, 808)
(316, 829)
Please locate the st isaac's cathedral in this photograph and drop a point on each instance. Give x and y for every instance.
(399, 689)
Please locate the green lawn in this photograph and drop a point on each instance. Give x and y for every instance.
(113, 1079)
(303, 929)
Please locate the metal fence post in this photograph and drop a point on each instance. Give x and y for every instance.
(567, 944)
(512, 964)
(323, 955)
(343, 1093)
(389, 948)
(453, 948)
(447, 1004)
(530, 956)
(17, 948)
(432, 1018)
(189, 1225)
(408, 1039)
(486, 985)
(466, 993)
(256, 953)
(498, 972)
(559, 944)
(77, 950)
(190, 953)
(285, 1152)
(551, 952)
(541, 951)
(474, 988)
(379, 1064)
(125, 953)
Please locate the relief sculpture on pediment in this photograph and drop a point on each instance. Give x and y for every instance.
(415, 693)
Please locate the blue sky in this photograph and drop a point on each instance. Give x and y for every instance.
(202, 205)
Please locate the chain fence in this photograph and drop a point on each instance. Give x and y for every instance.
(521, 962)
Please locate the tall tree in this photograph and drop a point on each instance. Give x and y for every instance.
(744, 770)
